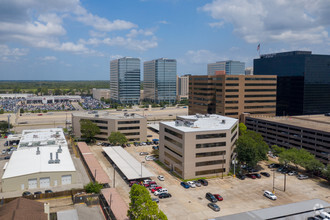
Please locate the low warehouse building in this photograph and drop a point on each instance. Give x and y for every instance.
(42, 160)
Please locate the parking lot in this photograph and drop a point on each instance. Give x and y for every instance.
(239, 195)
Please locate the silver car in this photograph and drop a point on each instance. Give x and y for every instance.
(214, 207)
(302, 177)
(197, 183)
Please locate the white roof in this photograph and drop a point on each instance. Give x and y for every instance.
(130, 167)
(43, 137)
(194, 123)
(25, 161)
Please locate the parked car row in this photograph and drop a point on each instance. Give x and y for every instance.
(252, 175)
(193, 184)
(286, 170)
(213, 198)
(27, 193)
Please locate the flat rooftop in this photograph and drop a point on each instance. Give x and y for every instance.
(314, 122)
(107, 115)
(42, 137)
(26, 161)
(195, 123)
(127, 164)
(292, 211)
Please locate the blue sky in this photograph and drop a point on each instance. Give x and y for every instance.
(75, 40)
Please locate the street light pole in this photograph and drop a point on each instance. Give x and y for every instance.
(273, 181)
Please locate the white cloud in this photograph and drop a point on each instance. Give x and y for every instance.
(294, 21)
(201, 57)
(48, 58)
(163, 22)
(217, 24)
(134, 33)
(10, 54)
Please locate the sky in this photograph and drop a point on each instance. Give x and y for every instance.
(76, 39)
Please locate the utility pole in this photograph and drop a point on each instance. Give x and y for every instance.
(223, 161)
(284, 181)
(273, 181)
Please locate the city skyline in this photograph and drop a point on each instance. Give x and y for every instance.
(73, 40)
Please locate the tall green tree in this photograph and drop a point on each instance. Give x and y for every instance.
(4, 126)
(88, 129)
(326, 172)
(142, 207)
(117, 138)
(277, 150)
(242, 129)
(251, 148)
(93, 187)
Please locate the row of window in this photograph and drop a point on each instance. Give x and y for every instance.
(176, 134)
(173, 151)
(131, 133)
(176, 143)
(208, 163)
(208, 145)
(207, 136)
(207, 172)
(129, 128)
(210, 154)
(128, 122)
(172, 158)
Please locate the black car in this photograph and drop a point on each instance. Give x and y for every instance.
(164, 195)
(7, 157)
(265, 174)
(155, 200)
(155, 147)
(26, 193)
(274, 165)
(48, 191)
(211, 197)
(241, 176)
(203, 182)
(37, 193)
(257, 175)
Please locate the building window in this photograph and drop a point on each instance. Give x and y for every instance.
(128, 128)
(207, 145)
(231, 113)
(234, 128)
(103, 127)
(231, 90)
(206, 172)
(99, 121)
(173, 151)
(233, 137)
(259, 101)
(131, 134)
(208, 163)
(231, 102)
(134, 139)
(211, 154)
(260, 79)
(176, 143)
(260, 84)
(232, 78)
(167, 155)
(128, 122)
(231, 96)
(207, 136)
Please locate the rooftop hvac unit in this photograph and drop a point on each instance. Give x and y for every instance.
(37, 143)
(223, 121)
(51, 161)
(59, 150)
(207, 115)
(57, 160)
(50, 142)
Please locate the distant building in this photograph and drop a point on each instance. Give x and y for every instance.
(160, 80)
(311, 132)
(133, 126)
(198, 145)
(101, 93)
(249, 71)
(229, 67)
(42, 160)
(232, 95)
(182, 87)
(125, 80)
(303, 81)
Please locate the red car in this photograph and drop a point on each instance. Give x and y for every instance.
(134, 182)
(156, 188)
(218, 197)
(150, 183)
(252, 176)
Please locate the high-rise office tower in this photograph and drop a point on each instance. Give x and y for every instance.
(183, 85)
(125, 80)
(160, 80)
(229, 67)
(303, 81)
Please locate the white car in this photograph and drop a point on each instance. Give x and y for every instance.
(149, 157)
(302, 177)
(160, 191)
(292, 173)
(161, 178)
(270, 195)
(191, 184)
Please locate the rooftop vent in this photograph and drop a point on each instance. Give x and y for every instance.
(223, 121)
(57, 160)
(207, 115)
(51, 161)
(59, 150)
(38, 151)
(96, 116)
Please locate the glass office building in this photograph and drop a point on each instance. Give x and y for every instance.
(160, 80)
(303, 81)
(125, 80)
(230, 67)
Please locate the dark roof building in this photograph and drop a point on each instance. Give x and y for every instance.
(23, 209)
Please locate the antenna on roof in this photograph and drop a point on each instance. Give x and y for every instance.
(51, 159)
